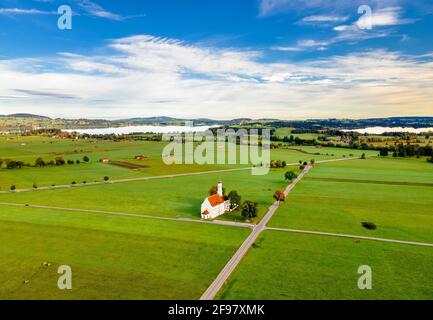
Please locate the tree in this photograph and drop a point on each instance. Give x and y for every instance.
(13, 187)
(312, 162)
(214, 190)
(106, 178)
(384, 152)
(86, 159)
(40, 162)
(363, 156)
(290, 175)
(235, 199)
(249, 209)
(59, 161)
(1, 162)
(71, 161)
(279, 195)
(35, 186)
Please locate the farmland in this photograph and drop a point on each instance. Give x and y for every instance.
(396, 195)
(112, 258)
(294, 266)
(28, 149)
(116, 237)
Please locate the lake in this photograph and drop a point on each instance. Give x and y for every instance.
(141, 129)
(380, 130)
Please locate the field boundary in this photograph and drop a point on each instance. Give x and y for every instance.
(392, 183)
(126, 214)
(351, 236)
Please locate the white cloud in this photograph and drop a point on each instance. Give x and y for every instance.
(157, 76)
(97, 10)
(323, 19)
(18, 11)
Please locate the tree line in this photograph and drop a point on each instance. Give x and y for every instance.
(40, 162)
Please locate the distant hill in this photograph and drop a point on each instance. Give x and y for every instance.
(25, 116)
(26, 122)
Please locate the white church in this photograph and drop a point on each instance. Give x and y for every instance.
(215, 205)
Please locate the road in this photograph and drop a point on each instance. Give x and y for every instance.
(351, 236)
(125, 214)
(155, 177)
(218, 283)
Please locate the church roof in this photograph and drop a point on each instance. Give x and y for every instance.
(216, 200)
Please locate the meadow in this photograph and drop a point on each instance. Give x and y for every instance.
(29, 148)
(396, 195)
(170, 197)
(286, 266)
(111, 257)
(127, 257)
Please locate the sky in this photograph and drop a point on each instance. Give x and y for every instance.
(285, 59)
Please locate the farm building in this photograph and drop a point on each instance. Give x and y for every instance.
(215, 205)
(104, 160)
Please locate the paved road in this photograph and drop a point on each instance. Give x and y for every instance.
(351, 236)
(217, 284)
(219, 222)
(65, 186)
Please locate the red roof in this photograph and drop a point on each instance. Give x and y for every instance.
(205, 212)
(215, 200)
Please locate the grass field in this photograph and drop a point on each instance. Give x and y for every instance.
(172, 197)
(293, 266)
(28, 149)
(110, 257)
(115, 257)
(337, 197)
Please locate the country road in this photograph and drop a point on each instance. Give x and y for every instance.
(218, 283)
(351, 236)
(125, 214)
(169, 176)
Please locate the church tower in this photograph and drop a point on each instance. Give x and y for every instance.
(220, 188)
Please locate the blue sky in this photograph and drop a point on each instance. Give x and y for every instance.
(286, 59)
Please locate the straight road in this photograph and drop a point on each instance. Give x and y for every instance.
(217, 284)
(125, 214)
(351, 236)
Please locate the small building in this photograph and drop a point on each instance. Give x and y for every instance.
(104, 160)
(215, 205)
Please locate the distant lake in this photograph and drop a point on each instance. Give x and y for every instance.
(380, 130)
(141, 129)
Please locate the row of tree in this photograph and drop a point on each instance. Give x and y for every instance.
(408, 150)
(40, 162)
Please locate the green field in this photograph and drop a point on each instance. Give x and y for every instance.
(110, 257)
(172, 197)
(396, 195)
(293, 266)
(28, 149)
(127, 257)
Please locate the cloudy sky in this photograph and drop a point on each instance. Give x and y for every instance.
(287, 59)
